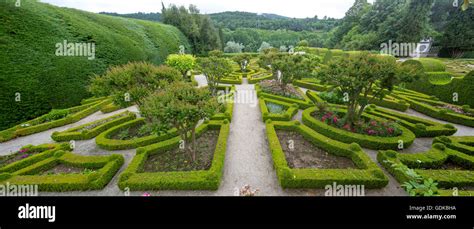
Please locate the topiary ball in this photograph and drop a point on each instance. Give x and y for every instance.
(355, 147)
(439, 146)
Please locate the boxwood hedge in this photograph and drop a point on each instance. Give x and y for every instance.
(429, 106)
(367, 172)
(77, 133)
(291, 110)
(302, 103)
(74, 114)
(105, 141)
(427, 164)
(419, 126)
(367, 141)
(26, 171)
(210, 179)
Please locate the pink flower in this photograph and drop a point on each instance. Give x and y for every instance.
(23, 150)
(390, 130)
(146, 194)
(334, 119)
(324, 119)
(347, 126)
(371, 132)
(373, 123)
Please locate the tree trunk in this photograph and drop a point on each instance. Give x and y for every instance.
(193, 143)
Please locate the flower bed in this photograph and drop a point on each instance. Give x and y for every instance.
(435, 164)
(368, 141)
(52, 120)
(209, 179)
(105, 140)
(419, 126)
(431, 107)
(303, 103)
(92, 129)
(367, 172)
(98, 170)
(289, 110)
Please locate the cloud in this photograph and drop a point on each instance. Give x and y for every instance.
(289, 8)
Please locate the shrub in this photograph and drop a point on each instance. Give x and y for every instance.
(182, 63)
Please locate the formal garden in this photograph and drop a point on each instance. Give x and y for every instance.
(325, 117)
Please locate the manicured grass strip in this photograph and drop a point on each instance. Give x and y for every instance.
(191, 180)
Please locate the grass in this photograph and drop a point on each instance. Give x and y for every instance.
(29, 35)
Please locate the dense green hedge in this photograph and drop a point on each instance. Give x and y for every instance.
(367, 172)
(367, 141)
(191, 180)
(75, 134)
(463, 86)
(427, 64)
(428, 106)
(26, 171)
(105, 141)
(29, 66)
(463, 144)
(74, 114)
(311, 85)
(253, 80)
(303, 104)
(419, 126)
(110, 108)
(291, 110)
(427, 164)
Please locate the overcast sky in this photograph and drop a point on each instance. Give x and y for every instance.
(289, 8)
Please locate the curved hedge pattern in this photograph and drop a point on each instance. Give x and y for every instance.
(427, 64)
(368, 173)
(427, 106)
(75, 134)
(104, 141)
(370, 142)
(25, 172)
(419, 126)
(302, 104)
(190, 180)
(76, 114)
(427, 165)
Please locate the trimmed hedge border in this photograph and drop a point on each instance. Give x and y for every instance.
(461, 144)
(190, 180)
(368, 174)
(104, 141)
(427, 64)
(253, 80)
(419, 126)
(311, 85)
(78, 113)
(370, 142)
(292, 109)
(110, 108)
(74, 134)
(302, 104)
(229, 110)
(235, 79)
(425, 106)
(26, 174)
(425, 165)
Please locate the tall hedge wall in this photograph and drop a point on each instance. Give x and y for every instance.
(29, 66)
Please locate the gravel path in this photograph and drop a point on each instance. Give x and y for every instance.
(248, 160)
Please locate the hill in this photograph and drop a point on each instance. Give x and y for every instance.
(35, 77)
(235, 20)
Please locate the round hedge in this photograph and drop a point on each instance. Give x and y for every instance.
(427, 64)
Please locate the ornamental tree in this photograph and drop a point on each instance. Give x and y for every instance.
(128, 84)
(181, 62)
(365, 77)
(289, 68)
(180, 106)
(242, 60)
(214, 68)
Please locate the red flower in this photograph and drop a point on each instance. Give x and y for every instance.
(390, 130)
(373, 123)
(335, 119)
